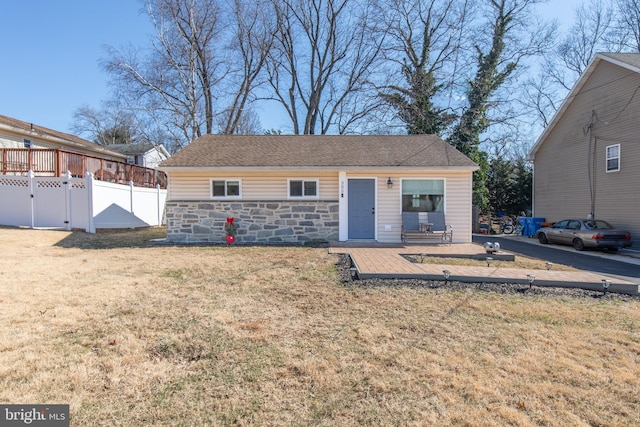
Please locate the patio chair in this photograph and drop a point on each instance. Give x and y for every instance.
(412, 228)
(439, 228)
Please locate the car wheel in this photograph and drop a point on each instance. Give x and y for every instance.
(578, 244)
(542, 238)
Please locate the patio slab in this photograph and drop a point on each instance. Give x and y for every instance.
(385, 261)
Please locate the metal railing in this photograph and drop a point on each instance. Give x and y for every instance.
(55, 162)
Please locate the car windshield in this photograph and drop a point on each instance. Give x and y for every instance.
(597, 225)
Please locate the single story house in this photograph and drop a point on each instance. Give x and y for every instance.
(300, 188)
(144, 154)
(16, 133)
(587, 160)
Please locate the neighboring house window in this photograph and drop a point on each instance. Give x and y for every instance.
(225, 188)
(303, 189)
(26, 142)
(135, 160)
(613, 158)
(423, 195)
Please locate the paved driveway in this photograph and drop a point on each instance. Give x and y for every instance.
(617, 265)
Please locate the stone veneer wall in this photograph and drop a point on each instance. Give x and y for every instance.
(258, 222)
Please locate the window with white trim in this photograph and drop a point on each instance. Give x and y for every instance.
(26, 143)
(299, 188)
(422, 195)
(613, 158)
(225, 188)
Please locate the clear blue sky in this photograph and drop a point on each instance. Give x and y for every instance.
(50, 52)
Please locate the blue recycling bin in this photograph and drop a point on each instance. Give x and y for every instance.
(535, 225)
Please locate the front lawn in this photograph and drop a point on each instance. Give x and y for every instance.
(130, 332)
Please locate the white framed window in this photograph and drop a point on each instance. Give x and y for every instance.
(226, 188)
(303, 188)
(423, 195)
(26, 143)
(613, 158)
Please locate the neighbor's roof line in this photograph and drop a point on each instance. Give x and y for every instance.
(613, 58)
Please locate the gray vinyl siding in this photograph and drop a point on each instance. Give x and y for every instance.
(604, 112)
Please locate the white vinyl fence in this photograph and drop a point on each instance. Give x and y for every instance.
(78, 203)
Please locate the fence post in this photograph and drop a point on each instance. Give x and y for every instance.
(67, 199)
(158, 203)
(132, 216)
(31, 175)
(88, 183)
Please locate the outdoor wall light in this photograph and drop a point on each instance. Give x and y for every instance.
(389, 183)
(489, 261)
(605, 285)
(531, 278)
(446, 274)
(549, 265)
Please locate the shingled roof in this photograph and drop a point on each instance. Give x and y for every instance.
(270, 151)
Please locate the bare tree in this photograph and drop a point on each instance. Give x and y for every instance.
(324, 56)
(540, 98)
(595, 29)
(628, 23)
(252, 41)
(105, 126)
(178, 75)
(589, 34)
(247, 123)
(202, 65)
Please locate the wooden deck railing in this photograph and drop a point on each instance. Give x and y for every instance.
(54, 162)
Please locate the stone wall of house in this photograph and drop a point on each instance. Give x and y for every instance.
(258, 222)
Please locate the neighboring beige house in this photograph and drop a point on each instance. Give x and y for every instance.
(16, 133)
(587, 161)
(295, 188)
(142, 154)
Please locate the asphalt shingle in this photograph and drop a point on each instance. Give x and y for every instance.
(319, 151)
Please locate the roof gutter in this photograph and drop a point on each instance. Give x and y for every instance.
(332, 168)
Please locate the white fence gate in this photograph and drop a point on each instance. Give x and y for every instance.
(72, 203)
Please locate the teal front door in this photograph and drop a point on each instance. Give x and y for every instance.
(362, 208)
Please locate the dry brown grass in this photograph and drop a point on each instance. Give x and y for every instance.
(132, 334)
(519, 262)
